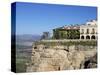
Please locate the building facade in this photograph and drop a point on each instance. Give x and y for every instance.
(86, 31)
(89, 30)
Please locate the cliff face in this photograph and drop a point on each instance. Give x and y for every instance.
(59, 58)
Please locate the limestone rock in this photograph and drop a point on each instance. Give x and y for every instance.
(57, 58)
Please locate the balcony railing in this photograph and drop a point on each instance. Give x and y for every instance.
(87, 33)
(82, 33)
(93, 33)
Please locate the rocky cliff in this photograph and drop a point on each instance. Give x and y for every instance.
(57, 58)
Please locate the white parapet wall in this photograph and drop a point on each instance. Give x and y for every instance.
(68, 40)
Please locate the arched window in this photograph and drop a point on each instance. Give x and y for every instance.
(82, 37)
(87, 37)
(92, 37)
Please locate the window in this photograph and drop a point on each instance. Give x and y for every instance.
(87, 32)
(93, 31)
(82, 31)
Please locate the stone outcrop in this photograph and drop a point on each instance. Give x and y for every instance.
(56, 58)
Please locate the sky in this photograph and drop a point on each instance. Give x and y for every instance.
(35, 18)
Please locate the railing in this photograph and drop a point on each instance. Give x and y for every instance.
(93, 33)
(87, 33)
(82, 33)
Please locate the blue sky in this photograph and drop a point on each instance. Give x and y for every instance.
(35, 18)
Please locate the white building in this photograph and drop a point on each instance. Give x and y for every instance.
(89, 30)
